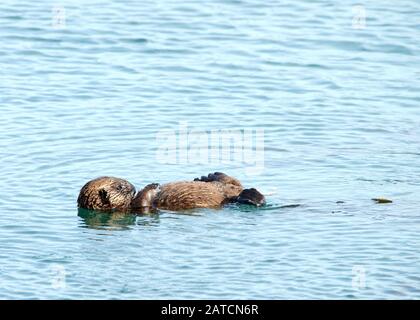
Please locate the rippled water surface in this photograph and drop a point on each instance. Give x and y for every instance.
(86, 86)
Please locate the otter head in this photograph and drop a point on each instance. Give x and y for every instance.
(145, 198)
(106, 193)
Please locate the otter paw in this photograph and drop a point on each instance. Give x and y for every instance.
(251, 196)
(145, 197)
(219, 177)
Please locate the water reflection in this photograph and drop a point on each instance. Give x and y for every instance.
(115, 220)
(270, 206)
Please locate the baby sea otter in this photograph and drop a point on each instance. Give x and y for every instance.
(213, 191)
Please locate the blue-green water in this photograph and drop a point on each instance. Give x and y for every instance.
(86, 86)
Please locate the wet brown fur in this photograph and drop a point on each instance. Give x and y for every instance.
(195, 194)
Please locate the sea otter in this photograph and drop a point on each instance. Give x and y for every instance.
(212, 191)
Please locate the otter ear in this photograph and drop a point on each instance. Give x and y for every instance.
(103, 195)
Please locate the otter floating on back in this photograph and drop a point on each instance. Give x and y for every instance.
(213, 191)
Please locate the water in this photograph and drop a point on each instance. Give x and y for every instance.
(85, 87)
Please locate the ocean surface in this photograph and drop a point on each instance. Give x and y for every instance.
(328, 90)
